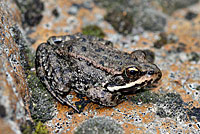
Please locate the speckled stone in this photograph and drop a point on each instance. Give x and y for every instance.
(172, 106)
(99, 125)
(13, 88)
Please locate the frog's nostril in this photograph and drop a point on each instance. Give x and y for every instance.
(150, 72)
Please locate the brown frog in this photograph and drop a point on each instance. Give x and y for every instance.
(91, 66)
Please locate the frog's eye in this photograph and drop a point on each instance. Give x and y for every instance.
(132, 71)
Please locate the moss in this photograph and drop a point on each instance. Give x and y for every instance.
(145, 97)
(41, 101)
(93, 30)
(168, 105)
(26, 129)
(41, 104)
(34, 128)
(99, 125)
(40, 128)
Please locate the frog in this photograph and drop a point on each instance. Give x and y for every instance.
(91, 66)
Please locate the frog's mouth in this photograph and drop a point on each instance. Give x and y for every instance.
(133, 85)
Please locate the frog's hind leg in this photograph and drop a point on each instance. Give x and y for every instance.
(59, 97)
(50, 74)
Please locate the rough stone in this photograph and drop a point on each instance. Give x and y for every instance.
(99, 125)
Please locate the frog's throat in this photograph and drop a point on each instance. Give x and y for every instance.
(139, 83)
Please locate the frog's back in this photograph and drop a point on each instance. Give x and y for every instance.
(97, 52)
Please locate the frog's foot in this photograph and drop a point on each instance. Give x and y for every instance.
(63, 100)
(67, 102)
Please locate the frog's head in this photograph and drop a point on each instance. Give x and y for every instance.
(134, 77)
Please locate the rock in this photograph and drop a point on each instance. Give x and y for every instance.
(99, 125)
(13, 87)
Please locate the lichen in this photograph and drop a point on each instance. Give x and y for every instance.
(99, 125)
(34, 128)
(41, 102)
(93, 30)
(145, 97)
(40, 128)
(168, 105)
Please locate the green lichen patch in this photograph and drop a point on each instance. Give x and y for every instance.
(34, 128)
(40, 128)
(168, 105)
(145, 97)
(27, 128)
(171, 105)
(93, 30)
(41, 102)
(99, 125)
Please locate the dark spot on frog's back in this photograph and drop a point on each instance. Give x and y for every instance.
(99, 49)
(88, 63)
(83, 39)
(120, 63)
(60, 79)
(109, 43)
(83, 49)
(57, 69)
(117, 57)
(104, 57)
(101, 62)
(70, 48)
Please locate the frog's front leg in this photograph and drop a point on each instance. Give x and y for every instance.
(103, 97)
(48, 68)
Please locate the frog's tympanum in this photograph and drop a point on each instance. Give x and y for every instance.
(91, 66)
